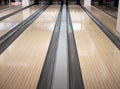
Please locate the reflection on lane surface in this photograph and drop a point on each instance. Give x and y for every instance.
(99, 57)
(21, 63)
(7, 24)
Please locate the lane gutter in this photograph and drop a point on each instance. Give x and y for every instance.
(46, 76)
(111, 35)
(10, 36)
(61, 73)
(8, 15)
(75, 75)
(61, 69)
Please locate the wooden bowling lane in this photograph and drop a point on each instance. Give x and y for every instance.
(3, 7)
(21, 63)
(9, 23)
(109, 21)
(9, 10)
(98, 56)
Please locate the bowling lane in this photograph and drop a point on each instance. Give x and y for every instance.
(9, 10)
(109, 21)
(9, 23)
(99, 58)
(21, 63)
(3, 7)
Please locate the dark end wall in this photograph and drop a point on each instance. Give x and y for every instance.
(36, 1)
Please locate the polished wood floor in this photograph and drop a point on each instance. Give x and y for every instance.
(9, 23)
(109, 21)
(99, 58)
(9, 10)
(3, 7)
(108, 10)
(21, 63)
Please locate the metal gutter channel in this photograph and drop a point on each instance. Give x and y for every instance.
(45, 80)
(75, 74)
(60, 79)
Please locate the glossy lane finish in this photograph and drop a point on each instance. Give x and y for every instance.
(21, 63)
(109, 21)
(3, 7)
(7, 7)
(9, 10)
(14, 20)
(99, 58)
